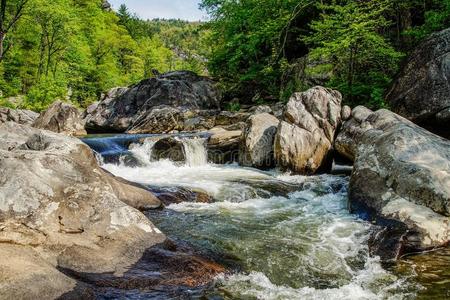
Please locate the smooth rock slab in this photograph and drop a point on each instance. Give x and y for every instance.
(55, 198)
(402, 173)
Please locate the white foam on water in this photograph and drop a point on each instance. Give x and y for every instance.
(312, 230)
(215, 180)
(143, 152)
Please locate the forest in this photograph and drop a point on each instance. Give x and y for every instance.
(76, 49)
(259, 51)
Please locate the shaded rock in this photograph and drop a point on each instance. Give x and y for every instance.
(223, 146)
(162, 267)
(304, 139)
(351, 131)
(229, 118)
(402, 174)
(258, 141)
(20, 116)
(55, 198)
(182, 90)
(160, 119)
(278, 109)
(260, 109)
(199, 120)
(422, 89)
(175, 195)
(169, 148)
(240, 126)
(62, 118)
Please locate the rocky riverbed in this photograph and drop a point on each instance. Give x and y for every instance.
(279, 236)
(219, 204)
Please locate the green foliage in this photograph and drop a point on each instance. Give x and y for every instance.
(355, 46)
(64, 48)
(250, 39)
(437, 17)
(41, 95)
(347, 40)
(233, 106)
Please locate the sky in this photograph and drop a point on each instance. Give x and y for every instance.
(167, 9)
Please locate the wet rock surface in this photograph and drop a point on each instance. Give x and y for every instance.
(223, 145)
(169, 269)
(175, 195)
(401, 177)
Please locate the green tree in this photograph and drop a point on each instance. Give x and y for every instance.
(10, 13)
(252, 41)
(347, 42)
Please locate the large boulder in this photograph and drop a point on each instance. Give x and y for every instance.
(401, 181)
(223, 145)
(20, 116)
(169, 148)
(62, 118)
(304, 139)
(258, 141)
(421, 92)
(183, 90)
(59, 211)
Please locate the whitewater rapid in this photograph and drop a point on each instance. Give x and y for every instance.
(292, 236)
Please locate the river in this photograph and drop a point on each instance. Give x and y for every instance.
(281, 236)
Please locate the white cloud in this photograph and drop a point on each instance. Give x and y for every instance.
(150, 9)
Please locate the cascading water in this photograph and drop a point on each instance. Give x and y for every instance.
(285, 237)
(195, 151)
(143, 152)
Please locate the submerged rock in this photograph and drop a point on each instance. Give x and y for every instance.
(60, 210)
(169, 148)
(181, 90)
(304, 139)
(20, 116)
(175, 195)
(421, 92)
(62, 118)
(401, 180)
(163, 272)
(258, 141)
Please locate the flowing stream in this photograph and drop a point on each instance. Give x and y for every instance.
(282, 236)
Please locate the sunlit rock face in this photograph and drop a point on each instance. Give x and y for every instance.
(256, 149)
(20, 116)
(59, 209)
(421, 92)
(401, 173)
(305, 137)
(62, 118)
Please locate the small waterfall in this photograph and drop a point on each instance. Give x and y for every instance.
(195, 151)
(143, 152)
